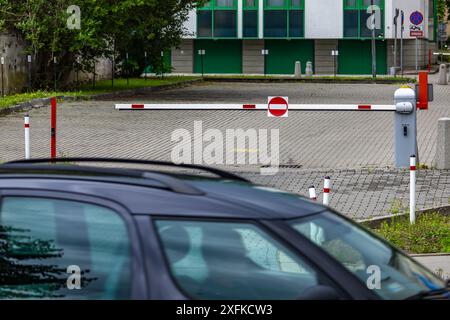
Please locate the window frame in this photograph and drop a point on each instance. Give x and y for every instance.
(255, 8)
(213, 7)
(139, 289)
(288, 7)
(359, 6)
(296, 244)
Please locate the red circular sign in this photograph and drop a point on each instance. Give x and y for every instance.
(278, 106)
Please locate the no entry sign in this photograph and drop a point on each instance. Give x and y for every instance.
(278, 107)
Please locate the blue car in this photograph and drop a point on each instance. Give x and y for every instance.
(129, 229)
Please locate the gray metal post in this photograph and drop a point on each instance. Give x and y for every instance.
(374, 48)
(417, 54)
(405, 126)
(401, 40)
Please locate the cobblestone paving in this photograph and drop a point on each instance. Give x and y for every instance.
(314, 141)
(363, 194)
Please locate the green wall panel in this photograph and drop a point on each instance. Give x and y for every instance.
(284, 53)
(222, 56)
(355, 57)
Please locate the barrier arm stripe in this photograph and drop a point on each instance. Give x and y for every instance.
(262, 107)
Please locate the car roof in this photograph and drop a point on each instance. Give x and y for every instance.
(162, 193)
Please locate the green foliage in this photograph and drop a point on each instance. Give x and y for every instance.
(109, 28)
(430, 233)
(442, 6)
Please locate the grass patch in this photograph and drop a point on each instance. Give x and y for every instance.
(430, 233)
(103, 86)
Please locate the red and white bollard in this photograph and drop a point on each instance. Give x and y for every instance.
(412, 190)
(27, 136)
(326, 190)
(312, 193)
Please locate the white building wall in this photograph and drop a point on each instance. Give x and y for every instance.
(190, 25)
(324, 19)
(408, 6)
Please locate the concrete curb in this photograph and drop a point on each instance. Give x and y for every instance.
(305, 80)
(45, 102)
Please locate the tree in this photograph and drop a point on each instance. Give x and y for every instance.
(107, 27)
(442, 9)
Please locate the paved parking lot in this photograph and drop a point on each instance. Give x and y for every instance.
(350, 145)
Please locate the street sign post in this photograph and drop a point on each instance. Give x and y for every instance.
(2, 60)
(278, 107)
(397, 13)
(202, 53)
(402, 13)
(416, 29)
(265, 53)
(335, 54)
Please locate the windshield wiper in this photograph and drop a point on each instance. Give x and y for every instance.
(435, 294)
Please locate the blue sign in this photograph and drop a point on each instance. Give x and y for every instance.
(416, 18)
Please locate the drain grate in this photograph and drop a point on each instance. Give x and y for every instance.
(286, 166)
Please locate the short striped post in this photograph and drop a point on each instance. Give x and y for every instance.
(326, 190)
(312, 193)
(412, 190)
(27, 135)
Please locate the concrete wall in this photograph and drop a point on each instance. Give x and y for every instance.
(183, 57)
(12, 48)
(324, 19)
(103, 71)
(323, 59)
(252, 59)
(15, 75)
(409, 58)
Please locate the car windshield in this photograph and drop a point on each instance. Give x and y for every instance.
(384, 269)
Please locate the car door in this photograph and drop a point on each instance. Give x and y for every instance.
(58, 245)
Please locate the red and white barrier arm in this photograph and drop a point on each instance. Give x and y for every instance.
(262, 107)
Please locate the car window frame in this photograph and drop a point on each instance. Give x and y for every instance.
(263, 225)
(139, 289)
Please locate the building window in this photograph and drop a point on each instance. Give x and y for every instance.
(356, 18)
(275, 23)
(351, 23)
(225, 23)
(224, 3)
(250, 19)
(296, 23)
(217, 18)
(204, 22)
(284, 18)
(250, 24)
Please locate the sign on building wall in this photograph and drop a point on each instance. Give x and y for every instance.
(416, 28)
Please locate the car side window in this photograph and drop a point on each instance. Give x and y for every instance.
(220, 260)
(62, 249)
